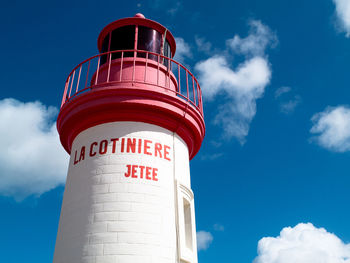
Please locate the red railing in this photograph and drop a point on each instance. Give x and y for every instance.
(133, 66)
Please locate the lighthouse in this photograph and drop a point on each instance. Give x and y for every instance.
(131, 119)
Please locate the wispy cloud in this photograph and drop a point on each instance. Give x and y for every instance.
(165, 6)
(303, 243)
(203, 45)
(32, 160)
(211, 157)
(259, 39)
(282, 90)
(332, 128)
(287, 102)
(183, 50)
(204, 239)
(219, 227)
(342, 8)
(176, 8)
(241, 85)
(288, 107)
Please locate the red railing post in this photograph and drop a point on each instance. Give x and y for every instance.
(158, 71)
(188, 94)
(98, 69)
(65, 92)
(121, 67)
(133, 67)
(169, 70)
(178, 80)
(87, 74)
(198, 95)
(109, 66)
(71, 84)
(76, 89)
(146, 66)
(194, 93)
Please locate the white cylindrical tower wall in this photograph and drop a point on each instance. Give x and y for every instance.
(128, 197)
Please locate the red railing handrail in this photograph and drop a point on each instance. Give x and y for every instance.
(196, 92)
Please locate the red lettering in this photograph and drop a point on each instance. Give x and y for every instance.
(127, 174)
(166, 152)
(75, 158)
(114, 140)
(82, 154)
(131, 145)
(141, 171)
(91, 153)
(157, 150)
(133, 171)
(122, 146)
(146, 147)
(148, 173)
(154, 174)
(140, 146)
(103, 146)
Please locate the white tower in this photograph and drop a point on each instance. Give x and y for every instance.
(131, 119)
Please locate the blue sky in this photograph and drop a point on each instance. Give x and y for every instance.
(275, 77)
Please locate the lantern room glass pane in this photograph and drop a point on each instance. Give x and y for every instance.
(122, 38)
(166, 49)
(166, 52)
(149, 40)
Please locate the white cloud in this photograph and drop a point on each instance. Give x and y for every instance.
(183, 50)
(242, 85)
(204, 240)
(303, 243)
(248, 80)
(287, 106)
(342, 8)
(211, 157)
(32, 160)
(173, 10)
(164, 6)
(332, 128)
(290, 105)
(282, 90)
(203, 45)
(259, 39)
(219, 227)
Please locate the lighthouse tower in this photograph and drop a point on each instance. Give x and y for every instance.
(131, 119)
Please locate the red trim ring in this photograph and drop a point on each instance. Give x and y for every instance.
(139, 104)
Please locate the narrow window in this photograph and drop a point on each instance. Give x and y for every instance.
(188, 224)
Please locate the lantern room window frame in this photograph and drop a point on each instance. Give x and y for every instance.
(138, 21)
(163, 41)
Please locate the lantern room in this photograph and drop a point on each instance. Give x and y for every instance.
(136, 33)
